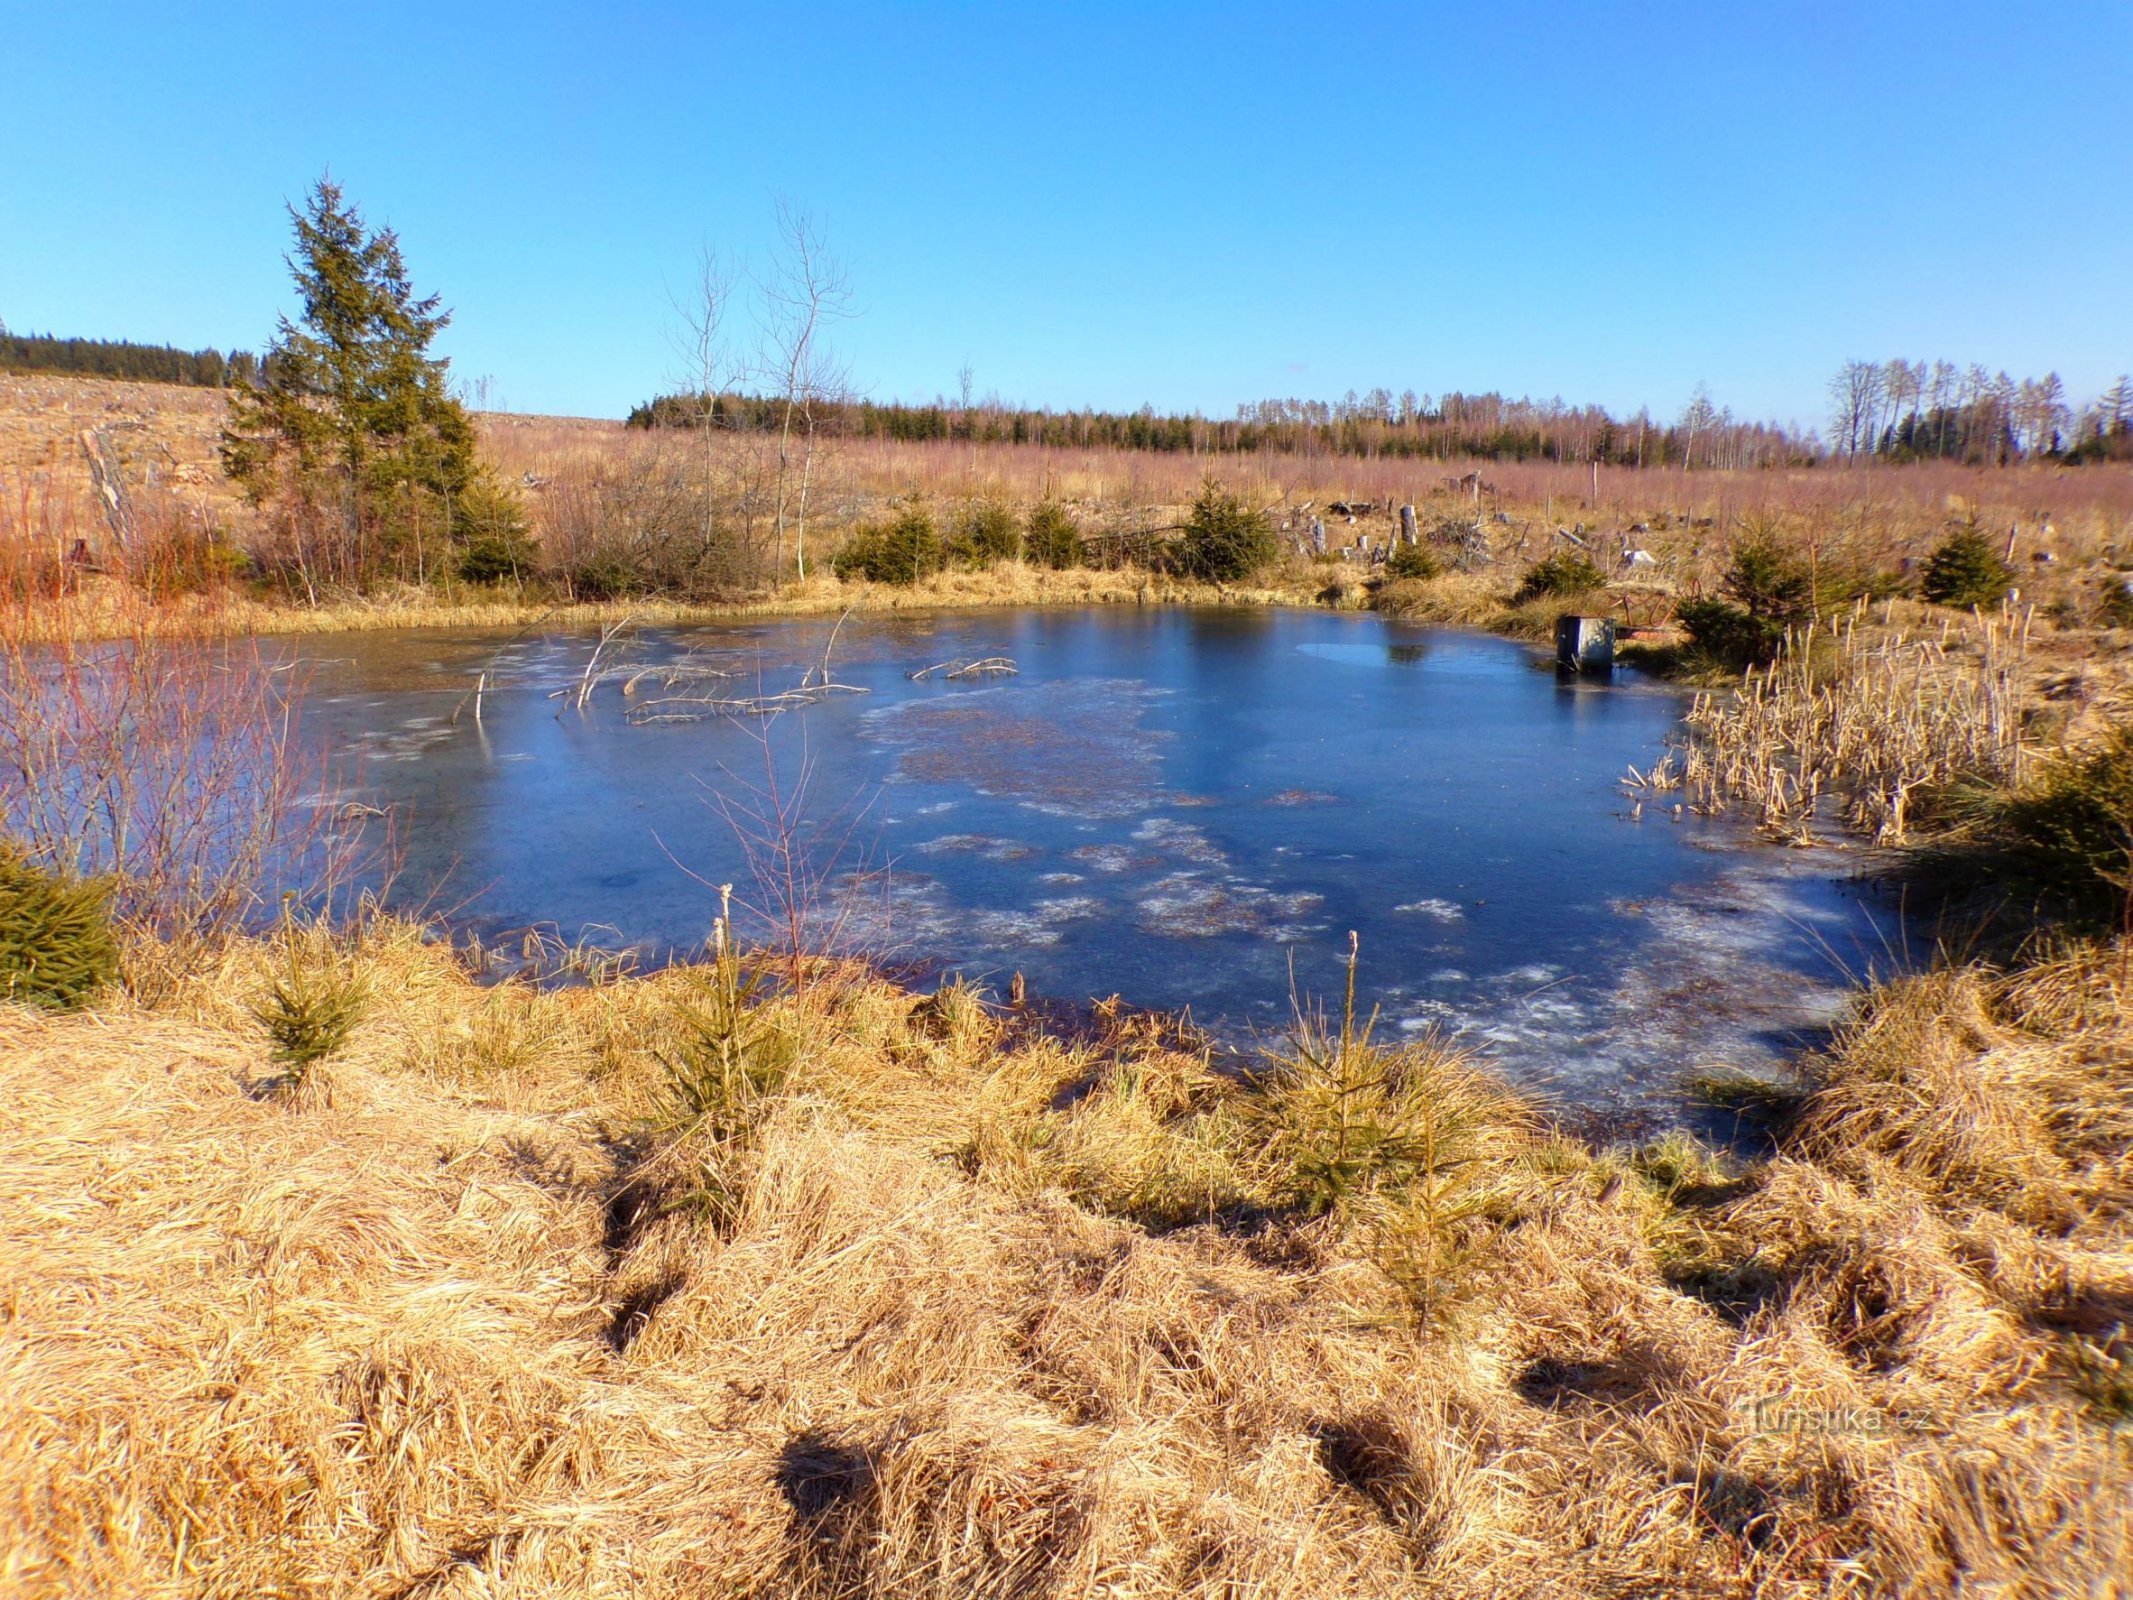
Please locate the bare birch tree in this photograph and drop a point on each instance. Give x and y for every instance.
(702, 342)
(1855, 400)
(805, 291)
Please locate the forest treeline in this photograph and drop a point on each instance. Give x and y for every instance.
(1446, 428)
(121, 358)
(1899, 411)
(1918, 411)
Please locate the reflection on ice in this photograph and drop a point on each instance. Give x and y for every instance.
(1182, 807)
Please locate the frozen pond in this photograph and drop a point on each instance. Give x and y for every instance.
(1180, 807)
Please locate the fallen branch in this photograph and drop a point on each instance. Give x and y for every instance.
(990, 667)
(702, 708)
(591, 678)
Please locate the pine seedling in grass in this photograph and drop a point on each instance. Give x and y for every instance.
(1563, 573)
(1415, 1144)
(310, 1008)
(56, 945)
(1966, 571)
(1324, 1107)
(1345, 1117)
(730, 1060)
(1412, 561)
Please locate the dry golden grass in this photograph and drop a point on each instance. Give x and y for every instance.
(1873, 520)
(957, 1334)
(109, 609)
(161, 429)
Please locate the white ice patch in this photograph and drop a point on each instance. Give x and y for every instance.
(1107, 857)
(1069, 909)
(1441, 910)
(1012, 928)
(1185, 905)
(1180, 840)
(979, 844)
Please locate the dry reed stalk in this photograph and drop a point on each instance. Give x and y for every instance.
(1869, 723)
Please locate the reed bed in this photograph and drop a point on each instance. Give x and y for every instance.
(983, 1312)
(1861, 724)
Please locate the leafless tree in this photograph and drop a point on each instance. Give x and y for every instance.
(2116, 403)
(806, 290)
(1698, 418)
(1855, 397)
(702, 345)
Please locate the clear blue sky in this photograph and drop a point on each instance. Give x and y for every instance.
(1188, 205)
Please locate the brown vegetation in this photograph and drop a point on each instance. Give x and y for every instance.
(685, 521)
(331, 1270)
(978, 1312)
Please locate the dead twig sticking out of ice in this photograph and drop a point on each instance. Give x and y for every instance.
(989, 667)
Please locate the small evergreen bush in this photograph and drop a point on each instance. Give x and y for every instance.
(901, 552)
(730, 1063)
(2072, 831)
(1966, 571)
(310, 1007)
(1727, 633)
(1563, 573)
(1052, 539)
(988, 535)
(1769, 592)
(1224, 538)
(1412, 561)
(1770, 585)
(496, 545)
(56, 945)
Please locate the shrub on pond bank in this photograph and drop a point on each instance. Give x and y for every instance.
(1553, 577)
(57, 948)
(2072, 830)
(1767, 592)
(988, 534)
(1052, 540)
(497, 547)
(901, 551)
(1412, 561)
(1224, 539)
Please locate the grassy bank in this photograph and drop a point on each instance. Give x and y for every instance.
(113, 611)
(941, 1307)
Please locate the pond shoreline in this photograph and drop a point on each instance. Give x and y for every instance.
(1141, 803)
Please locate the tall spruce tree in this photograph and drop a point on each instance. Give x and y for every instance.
(348, 428)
